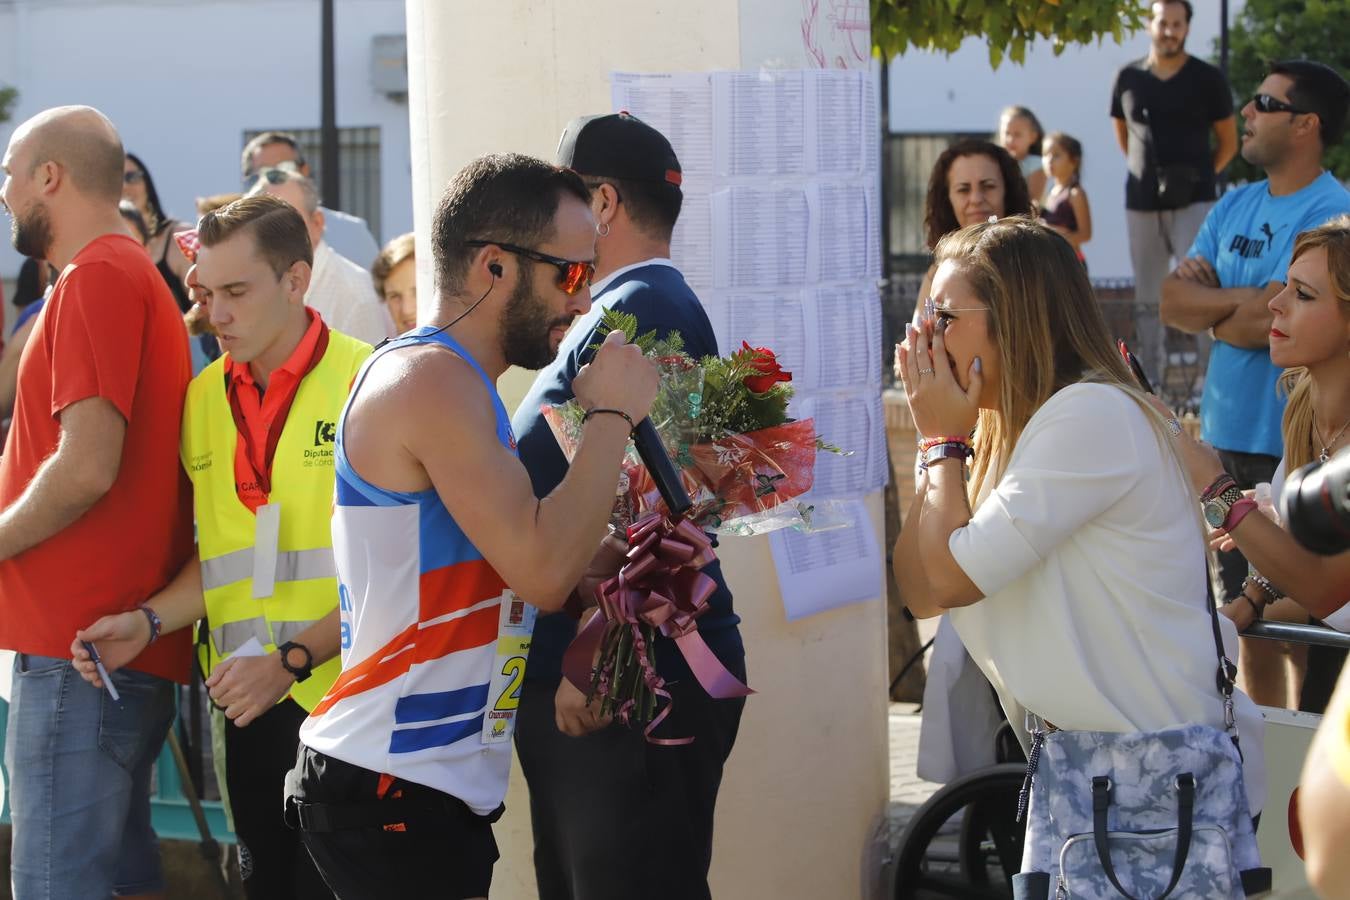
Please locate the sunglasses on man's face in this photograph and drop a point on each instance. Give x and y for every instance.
(572, 275)
(1268, 104)
(278, 174)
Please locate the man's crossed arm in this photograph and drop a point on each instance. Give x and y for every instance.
(1193, 301)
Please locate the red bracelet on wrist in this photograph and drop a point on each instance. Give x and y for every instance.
(1237, 512)
(1217, 486)
(929, 443)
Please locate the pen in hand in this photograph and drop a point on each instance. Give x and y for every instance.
(102, 672)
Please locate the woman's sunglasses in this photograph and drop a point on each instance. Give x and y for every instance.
(942, 315)
(133, 176)
(1268, 104)
(572, 275)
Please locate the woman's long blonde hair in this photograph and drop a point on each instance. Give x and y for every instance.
(1049, 330)
(1301, 443)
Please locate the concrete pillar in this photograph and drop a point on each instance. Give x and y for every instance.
(807, 784)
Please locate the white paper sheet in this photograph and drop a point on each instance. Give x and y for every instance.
(870, 122)
(838, 240)
(845, 344)
(775, 320)
(834, 115)
(691, 244)
(250, 647)
(678, 106)
(875, 210)
(759, 237)
(853, 421)
(824, 570)
(758, 123)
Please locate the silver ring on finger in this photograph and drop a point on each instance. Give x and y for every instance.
(927, 372)
(1174, 427)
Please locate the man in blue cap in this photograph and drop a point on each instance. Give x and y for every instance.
(601, 796)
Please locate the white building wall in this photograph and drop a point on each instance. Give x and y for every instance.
(184, 79)
(931, 92)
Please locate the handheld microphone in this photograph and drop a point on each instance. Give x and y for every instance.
(662, 469)
(1135, 368)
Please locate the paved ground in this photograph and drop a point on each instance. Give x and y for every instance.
(908, 791)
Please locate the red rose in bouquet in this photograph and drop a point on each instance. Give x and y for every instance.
(767, 370)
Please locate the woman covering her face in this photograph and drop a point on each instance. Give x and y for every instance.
(1064, 537)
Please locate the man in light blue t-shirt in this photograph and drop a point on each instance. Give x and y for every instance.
(1238, 263)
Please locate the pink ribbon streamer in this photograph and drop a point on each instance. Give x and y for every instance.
(661, 586)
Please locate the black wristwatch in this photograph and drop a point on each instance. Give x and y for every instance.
(302, 671)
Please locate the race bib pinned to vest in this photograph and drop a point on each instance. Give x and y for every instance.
(266, 538)
(515, 625)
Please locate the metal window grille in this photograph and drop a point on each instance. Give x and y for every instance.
(359, 157)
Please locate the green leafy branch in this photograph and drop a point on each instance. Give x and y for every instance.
(1009, 27)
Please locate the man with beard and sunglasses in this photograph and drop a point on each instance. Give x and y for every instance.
(588, 843)
(95, 517)
(1237, 264)
(440, 542)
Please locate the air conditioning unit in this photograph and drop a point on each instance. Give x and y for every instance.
(389, 65)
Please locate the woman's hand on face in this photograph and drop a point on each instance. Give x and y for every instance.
(937, 402)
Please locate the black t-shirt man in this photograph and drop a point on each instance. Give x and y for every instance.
(1169, 123)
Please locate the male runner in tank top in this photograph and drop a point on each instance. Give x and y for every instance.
(440, 542)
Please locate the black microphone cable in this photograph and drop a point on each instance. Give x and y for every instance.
(493, 270)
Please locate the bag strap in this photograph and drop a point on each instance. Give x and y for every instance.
(1101, 801)
(1226, 675)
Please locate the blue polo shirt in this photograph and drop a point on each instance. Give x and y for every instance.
(1248, 238)
(657, 294)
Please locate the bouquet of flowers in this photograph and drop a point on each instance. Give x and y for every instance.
(724, 422)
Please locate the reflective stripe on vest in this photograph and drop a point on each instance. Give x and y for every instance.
(292, 565)
(232, 635)
(304, 589)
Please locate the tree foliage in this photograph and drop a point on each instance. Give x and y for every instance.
(1271, 30)
(8, 96)
(1009, 27)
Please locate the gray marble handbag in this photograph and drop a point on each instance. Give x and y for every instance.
(1144, 815)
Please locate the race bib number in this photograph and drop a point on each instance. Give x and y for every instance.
(514, 628)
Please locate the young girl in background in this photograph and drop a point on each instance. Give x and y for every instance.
(1064, 206)
(1020, 133)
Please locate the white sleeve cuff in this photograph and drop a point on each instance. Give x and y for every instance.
(1340, 619)
(990, 549)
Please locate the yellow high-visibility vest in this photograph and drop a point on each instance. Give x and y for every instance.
(245, 598)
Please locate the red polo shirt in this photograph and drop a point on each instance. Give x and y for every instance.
(111, 329)
(260, 420)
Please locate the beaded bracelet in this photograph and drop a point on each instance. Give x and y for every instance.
(632, 426)
(1259, 610)
(1262, 582)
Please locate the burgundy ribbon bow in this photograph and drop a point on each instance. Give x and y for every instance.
(660, 586)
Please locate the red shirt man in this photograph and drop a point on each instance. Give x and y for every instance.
(111, 330)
